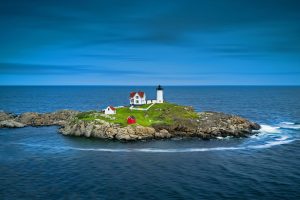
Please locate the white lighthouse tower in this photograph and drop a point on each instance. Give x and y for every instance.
(159, 94)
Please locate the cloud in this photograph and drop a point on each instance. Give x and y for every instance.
(33, 69)
(117, 22)
(171, 36)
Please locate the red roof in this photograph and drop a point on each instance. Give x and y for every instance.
(132, 94)
(141, 94)
(112, 108)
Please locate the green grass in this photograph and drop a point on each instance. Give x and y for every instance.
(143, 106)
(164, 113)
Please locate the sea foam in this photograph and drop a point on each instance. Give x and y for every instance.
(267, 137)
(269, 129)
(172, 150)
(289, 125)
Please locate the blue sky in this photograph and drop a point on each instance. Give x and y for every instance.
(187, 42)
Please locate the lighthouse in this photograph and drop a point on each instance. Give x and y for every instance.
(159, 94)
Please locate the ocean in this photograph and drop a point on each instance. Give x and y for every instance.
(40, 163)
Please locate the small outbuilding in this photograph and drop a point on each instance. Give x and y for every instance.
(131, 120)
(110, 110)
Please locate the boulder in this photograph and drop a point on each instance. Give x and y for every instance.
(6, 116)
(162, 134)
(11, 124)
(27, 118)
(46, 119)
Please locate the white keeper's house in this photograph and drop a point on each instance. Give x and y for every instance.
(110, 110)
(139, 98)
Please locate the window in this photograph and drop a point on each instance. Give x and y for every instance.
(136, 97)
(137, 101)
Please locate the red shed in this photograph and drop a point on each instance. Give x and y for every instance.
(131, 120)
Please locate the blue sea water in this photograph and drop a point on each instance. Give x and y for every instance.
(39, 163)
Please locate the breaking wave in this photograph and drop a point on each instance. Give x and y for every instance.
(289, 125)
(267, 137)
(156, 150)
(153, 150)
(269, 129)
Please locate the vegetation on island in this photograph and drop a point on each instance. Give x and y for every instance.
(164, 113)
(159, 121)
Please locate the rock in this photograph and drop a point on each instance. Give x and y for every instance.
(11, 124)
(107, 130)
(213, 124)
(208, 125)
(5, 116)
(27, 118)
(162, 134)
(134, 133)
(47, 119)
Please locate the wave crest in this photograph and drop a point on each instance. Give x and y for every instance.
(289, 125)
(267, 137)
(269, 129)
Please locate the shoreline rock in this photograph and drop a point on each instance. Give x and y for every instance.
(11, 124)
(209, 125)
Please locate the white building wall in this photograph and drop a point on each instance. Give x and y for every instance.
(143, 100)
(151, 101)
(137, 100)
(159, 96)
(109, 111)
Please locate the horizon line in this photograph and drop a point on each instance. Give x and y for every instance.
(167, 85)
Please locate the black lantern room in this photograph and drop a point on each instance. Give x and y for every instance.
(159, 87)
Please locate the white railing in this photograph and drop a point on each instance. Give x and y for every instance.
(142, 109)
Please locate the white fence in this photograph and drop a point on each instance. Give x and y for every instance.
(142, 109)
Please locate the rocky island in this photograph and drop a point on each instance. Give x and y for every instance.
(165, 120)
